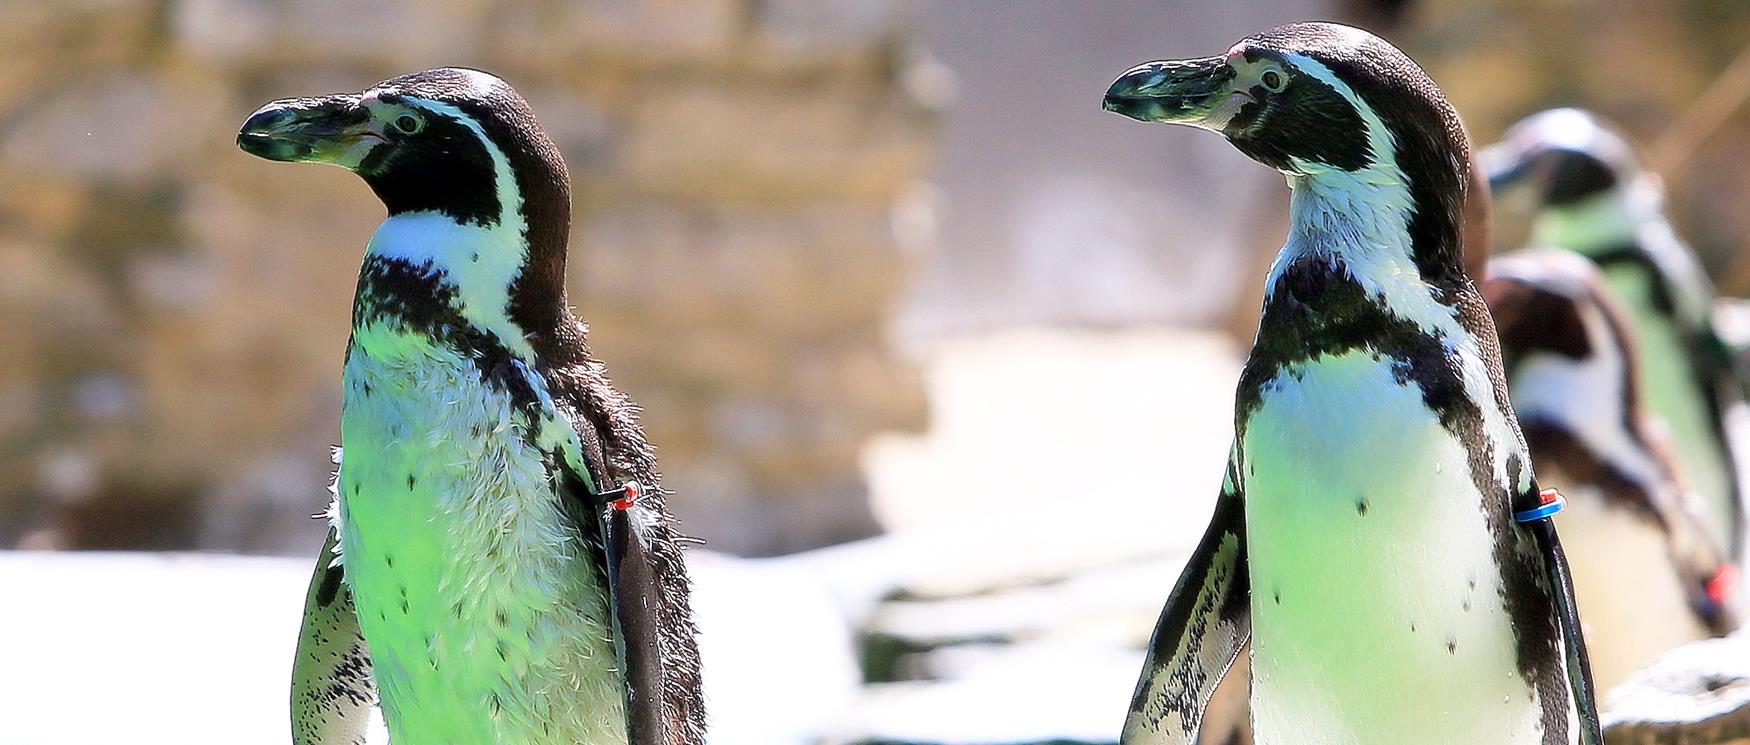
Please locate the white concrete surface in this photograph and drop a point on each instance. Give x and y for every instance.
(197, 649)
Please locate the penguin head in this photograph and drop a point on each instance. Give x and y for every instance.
(1304, 99)
(1547, 302)
(1328, 105)
(1559, 157)
(451, 140)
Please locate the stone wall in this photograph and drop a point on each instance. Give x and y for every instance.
(173, 312)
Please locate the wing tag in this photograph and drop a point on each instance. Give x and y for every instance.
(1549, 502)
(623, 498)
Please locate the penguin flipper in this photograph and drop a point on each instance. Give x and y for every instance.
(634, 591)
(332, 689)
(1203, 628)
(1567, 609)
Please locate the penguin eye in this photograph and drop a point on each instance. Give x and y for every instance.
(1273, 80)
(409, 124)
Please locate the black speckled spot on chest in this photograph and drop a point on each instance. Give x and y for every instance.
(416, 300)
(1317, 308)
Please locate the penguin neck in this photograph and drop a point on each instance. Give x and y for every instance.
(1602, 222)
(504, 275)
(1361, 220)
(468, 267)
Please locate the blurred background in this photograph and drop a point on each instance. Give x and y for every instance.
(873, 268)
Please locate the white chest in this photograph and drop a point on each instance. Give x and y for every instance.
(1377, 613)
(486, 624)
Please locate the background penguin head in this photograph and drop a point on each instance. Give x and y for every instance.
(451, 140)
(1554, 303)
(1559, 157)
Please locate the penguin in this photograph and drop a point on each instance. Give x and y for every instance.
(1589, 194)
(1379, 536)
(1648, 575)
(502, 565)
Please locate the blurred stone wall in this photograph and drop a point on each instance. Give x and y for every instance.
(173, 312)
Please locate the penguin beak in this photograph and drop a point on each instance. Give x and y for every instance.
(1505, 164)
(1194, 92)
(332, 129)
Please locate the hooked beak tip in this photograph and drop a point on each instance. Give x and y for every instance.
(299, 129)
(267, 132)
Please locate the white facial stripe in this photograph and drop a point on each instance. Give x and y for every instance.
(1362, 216)
(480, 262)
(509, 198)
(1217, 118)
(355, 154)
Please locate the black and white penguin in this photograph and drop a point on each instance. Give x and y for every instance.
(1367, 537)
(1647, 573)
(1590, 195)
(507, 570)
